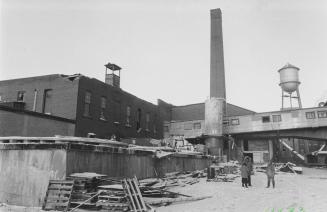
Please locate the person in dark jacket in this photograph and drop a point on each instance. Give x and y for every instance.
(270, 171)
(244, 175)
(249, 165)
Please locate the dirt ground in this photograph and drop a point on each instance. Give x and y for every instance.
(293, 193)
(306, 192)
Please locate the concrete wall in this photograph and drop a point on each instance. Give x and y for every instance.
(25, 173)
(140, 164)
(111, 164)
(181, 163)
(63, 97)
(21, 123)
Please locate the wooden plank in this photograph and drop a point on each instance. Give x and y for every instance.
(60, 187)
(57, 204)
(57, 198)
(62, 182)
(62, 192)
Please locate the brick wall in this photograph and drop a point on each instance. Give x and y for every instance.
(63, 96)
(116, 111)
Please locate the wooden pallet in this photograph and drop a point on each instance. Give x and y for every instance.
(131, 188)
(58, 195)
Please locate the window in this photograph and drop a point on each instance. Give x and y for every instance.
(20, 96)
(226, 122)
(322, 114)
(310, 115)
(117, 111)
(138, 119)
(265, 119)
(87, 104)
(276, 118)
(235, 122)
(188, 126)
(197, 125)
(166, 129)
(154, 124)
(147, 123)
(128, 115)
(47, 101)
(103, 108)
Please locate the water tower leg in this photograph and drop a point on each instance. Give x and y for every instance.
(282, 99)
(299, 98)
(291, 100)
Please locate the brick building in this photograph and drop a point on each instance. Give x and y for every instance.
(94, 106)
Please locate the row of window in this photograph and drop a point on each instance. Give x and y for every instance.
(187, 126)
(278, 118)
(47, 94)
(192, 126)
(116, 105)
(312, 115)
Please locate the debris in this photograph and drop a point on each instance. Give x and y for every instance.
(96, 191)
(82, 203)
(170, 201)
(290, 167)
(224, 172)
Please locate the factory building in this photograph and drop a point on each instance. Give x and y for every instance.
(87, 106)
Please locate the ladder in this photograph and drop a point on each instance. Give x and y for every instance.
(133, 192)
(58, 195)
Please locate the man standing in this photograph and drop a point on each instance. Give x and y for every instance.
(270, 171)
(249, 165)
(244, 175)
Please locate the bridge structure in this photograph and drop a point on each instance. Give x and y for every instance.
(297, 135)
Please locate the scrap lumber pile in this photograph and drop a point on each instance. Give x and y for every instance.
(85, 186)
(158, 188)
(282, 167)
(291, 168)
(98, 192)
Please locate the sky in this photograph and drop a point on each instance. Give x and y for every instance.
(163, 47)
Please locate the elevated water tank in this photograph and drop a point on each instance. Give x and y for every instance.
(289, 78)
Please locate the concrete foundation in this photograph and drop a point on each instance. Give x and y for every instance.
(25, 173)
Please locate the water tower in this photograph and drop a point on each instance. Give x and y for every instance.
(289, 82)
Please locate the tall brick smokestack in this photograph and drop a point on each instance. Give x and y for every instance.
(215, 105)
(217, 68)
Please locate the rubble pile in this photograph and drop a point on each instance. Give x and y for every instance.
(224, 172)
(282, 167)
(98, 192)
